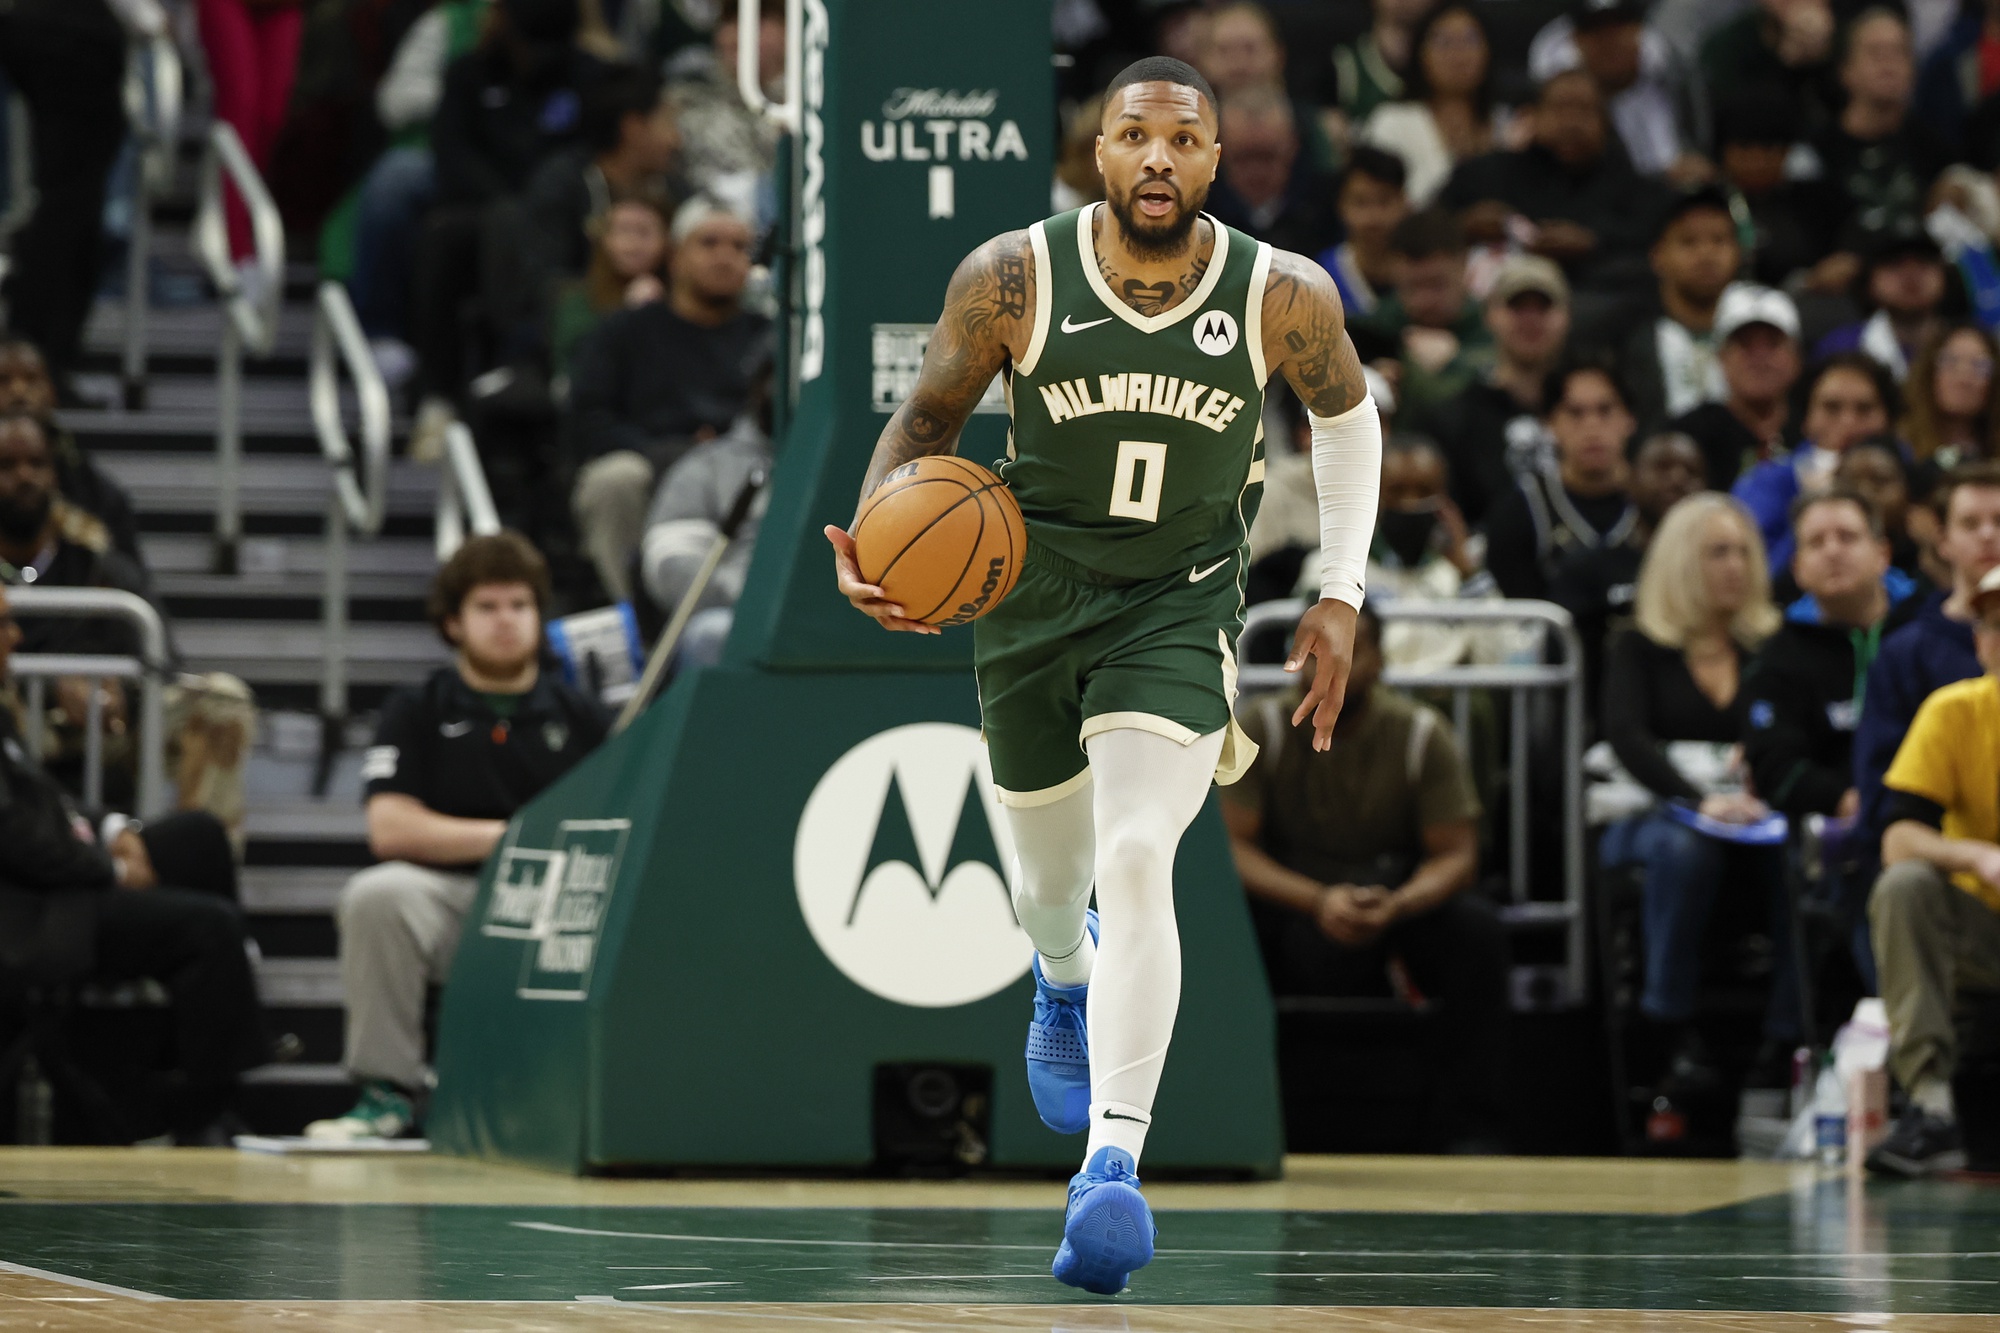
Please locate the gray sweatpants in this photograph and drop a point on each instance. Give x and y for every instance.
(399, 927)
(1932, 941)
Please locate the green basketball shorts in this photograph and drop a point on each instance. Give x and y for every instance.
(1069, 654)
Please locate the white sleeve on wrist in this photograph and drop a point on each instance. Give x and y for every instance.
(1347, 472)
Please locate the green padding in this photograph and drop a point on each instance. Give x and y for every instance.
(337, 239)
(713, 1030)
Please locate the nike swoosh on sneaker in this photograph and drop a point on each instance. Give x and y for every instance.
(1069, 326)
(1196, 576)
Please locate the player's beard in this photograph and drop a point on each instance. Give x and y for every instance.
(1152, 240)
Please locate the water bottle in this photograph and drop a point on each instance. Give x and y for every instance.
(1829, 1115)
(34, 1106)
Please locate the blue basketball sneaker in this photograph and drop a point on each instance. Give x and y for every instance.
(1059, 1051)
(1109, 1230)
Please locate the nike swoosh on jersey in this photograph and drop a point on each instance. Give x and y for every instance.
(1069, 327)
(1196, 576)
(454, 730)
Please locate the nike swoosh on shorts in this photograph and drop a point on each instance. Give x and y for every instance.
(1068, 327)
(1196, 576)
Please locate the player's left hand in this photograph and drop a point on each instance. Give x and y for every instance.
(1326, 633)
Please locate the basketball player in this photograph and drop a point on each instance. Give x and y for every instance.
(1136, 337)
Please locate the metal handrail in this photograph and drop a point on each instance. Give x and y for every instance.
(153, 104)
(149, 668)
(749, 17)
(463, 498)
(250, 319)
(358, 496)
(1518, 680)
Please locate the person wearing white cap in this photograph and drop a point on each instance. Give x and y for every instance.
(1757, 346)
(1935, 912)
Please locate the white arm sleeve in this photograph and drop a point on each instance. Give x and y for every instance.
(1347, 471)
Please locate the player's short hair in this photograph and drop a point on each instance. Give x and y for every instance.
(500, 557)
(1162, 69)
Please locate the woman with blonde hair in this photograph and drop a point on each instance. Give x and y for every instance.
(1675, 714)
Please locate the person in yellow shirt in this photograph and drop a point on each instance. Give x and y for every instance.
(1935, 913)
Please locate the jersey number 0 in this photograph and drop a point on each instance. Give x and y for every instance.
(1135, 487)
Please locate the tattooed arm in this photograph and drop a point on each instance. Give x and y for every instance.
(1305, 335)
(985, 321)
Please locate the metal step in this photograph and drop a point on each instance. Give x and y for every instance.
(286, 485)
(306, 821)
(181, 409)
(174, 553)
(291, 652)
(300, 983)
(195, 333)
(291, 890)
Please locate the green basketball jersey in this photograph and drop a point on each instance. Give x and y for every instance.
(1136, 447)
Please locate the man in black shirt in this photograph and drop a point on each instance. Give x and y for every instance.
(650, 383)
(1757, 346)
(1491, 431)
(1878, 157)
(77, 907)
(1579, 501)
(1669, 359)
(453, 759)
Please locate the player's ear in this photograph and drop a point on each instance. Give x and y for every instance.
(1099, 154)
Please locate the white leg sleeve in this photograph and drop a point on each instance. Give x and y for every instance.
(1148, 790)
(1055, 845)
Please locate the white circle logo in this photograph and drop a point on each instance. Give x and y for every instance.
(904, 867)
(1215, 332)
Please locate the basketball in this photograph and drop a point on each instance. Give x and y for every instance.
(943, 538)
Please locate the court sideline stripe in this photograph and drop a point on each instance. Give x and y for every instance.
(86, 1283)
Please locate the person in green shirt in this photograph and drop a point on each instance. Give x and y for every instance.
(628, 267)
(1439, 332)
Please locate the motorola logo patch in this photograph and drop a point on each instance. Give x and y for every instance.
(1215, 332)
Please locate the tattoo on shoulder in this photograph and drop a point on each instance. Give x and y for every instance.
(1302, 306)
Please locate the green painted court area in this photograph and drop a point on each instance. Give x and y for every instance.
(1930, 1248)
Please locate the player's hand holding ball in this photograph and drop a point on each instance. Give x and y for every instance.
(938, 543)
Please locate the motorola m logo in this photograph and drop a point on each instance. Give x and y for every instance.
(1215, 332)
(904, 866)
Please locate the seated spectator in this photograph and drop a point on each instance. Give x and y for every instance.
(1935, 911)
(1423, 552)
(1951, 401)
(1808, 681)
(1655, 100)
(1371, 202)
(1491, 431)
(628, 267)
(1570, 195)
(26, 387)
(1790, 222)
(1784, 45)
(652, 382)
(402, 183)
(688, 513)
(1670, 360)
(153, 903)
(1904, 282)
(1879, 158)
(1448, 116)
(1374, 68)
(1266, 186)
(1756, 338)
(1364, 853)
(453, 759)
(1596, 584)
(629, 143)
(1874, 470)
(728, 150)
(1578, 501)
(1430, 318)
(1673, 706)
(66, 62)
(1937, 648)
(47, 542)
(1847, 401)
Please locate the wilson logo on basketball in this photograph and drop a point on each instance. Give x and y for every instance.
(996, 572)
(1215, 332)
